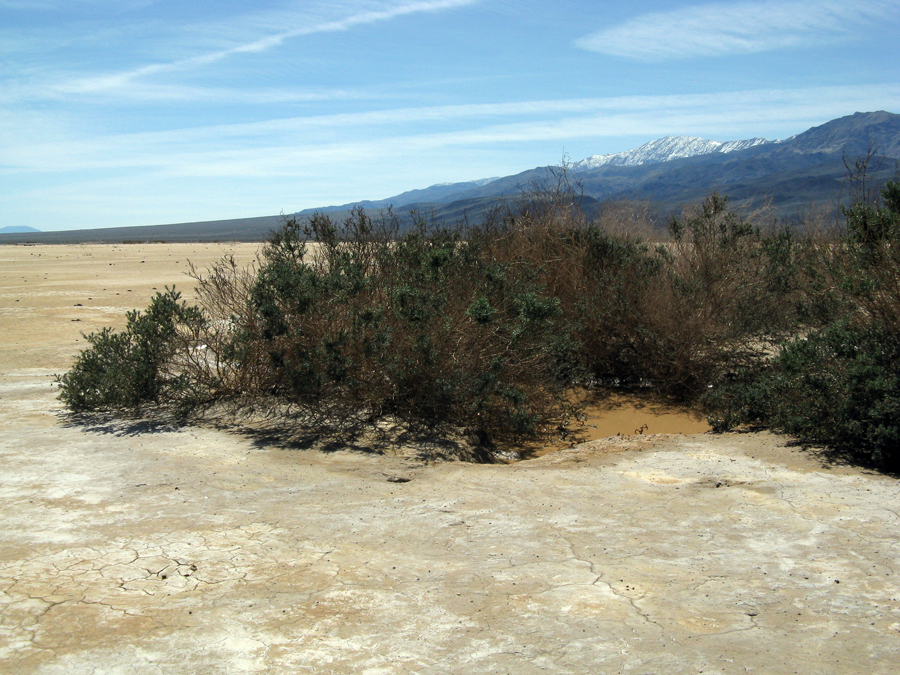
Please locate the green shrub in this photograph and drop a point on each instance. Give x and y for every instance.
(126, 370)
(484, 328)
(840, 384)
(357, 321)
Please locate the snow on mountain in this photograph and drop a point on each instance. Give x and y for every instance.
(664, 150)
(731, 146)
(479, 182)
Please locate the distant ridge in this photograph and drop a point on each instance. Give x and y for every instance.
(238, 229)
(792, 175)
(17, 229)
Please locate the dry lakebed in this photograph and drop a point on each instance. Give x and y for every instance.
(141, 548)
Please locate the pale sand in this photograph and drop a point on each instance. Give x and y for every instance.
(129, 548)
(49, 295)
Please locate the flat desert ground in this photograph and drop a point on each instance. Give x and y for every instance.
(140, 548)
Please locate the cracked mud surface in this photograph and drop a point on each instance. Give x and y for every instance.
(139, 549)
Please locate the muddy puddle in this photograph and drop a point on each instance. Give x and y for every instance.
(619, 415)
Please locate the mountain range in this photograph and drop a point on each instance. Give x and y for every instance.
(792, 176)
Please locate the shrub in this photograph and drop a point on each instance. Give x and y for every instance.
(678, 316)
(354, 322)
(484, 328)
(126, 370)
(840, 384)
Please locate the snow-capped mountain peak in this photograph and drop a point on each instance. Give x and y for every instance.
(664, 150)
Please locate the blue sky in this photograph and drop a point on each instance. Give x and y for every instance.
(139, 112)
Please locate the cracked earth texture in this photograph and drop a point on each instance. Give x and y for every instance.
(131, 548)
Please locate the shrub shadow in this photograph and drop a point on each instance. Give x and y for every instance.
(827, 456)
(284, 431)
(833, 456)
(117, 425)
(421, 445)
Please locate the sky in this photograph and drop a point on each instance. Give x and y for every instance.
(140, 112)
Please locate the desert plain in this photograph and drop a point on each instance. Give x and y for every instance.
(136, 547)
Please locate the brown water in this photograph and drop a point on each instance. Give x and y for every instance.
(620, 415)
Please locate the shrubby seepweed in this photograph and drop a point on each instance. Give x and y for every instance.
(488, 328)
(837, 383)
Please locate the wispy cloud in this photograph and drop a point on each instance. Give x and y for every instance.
(280, 146)
(27, 4)
(53, 173)
(354, 16)
(736, 28)
(135, 92)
